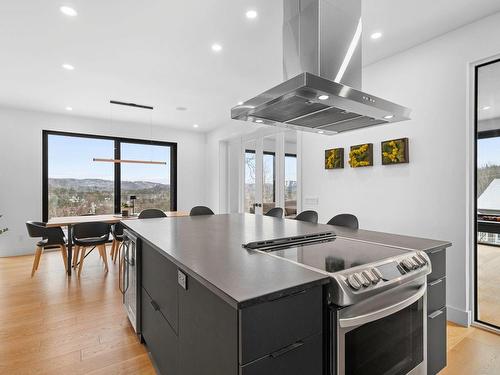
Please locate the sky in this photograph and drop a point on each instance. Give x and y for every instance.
(488, 151)
(72, 157)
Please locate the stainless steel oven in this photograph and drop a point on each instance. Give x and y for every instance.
(128, 277)
(385, 334)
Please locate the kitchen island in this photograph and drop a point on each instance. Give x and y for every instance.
(206, 305)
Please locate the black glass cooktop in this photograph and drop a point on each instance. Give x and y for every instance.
(337, 254)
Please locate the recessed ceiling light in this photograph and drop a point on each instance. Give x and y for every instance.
(323, 97)
(376, 35)
(320, 131)
(388, 117)
(485, 107)
(69, 108)
(68, 66)
(68, 11)
(240, 103)
(195, 125)
(216, 47)
(258, 121)
(251, 14)
(181, 108)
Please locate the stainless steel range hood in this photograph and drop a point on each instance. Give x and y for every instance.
(322, 52)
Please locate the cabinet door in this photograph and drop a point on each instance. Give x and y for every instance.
(208, 332)
(159, 278)
(436, 341)
(159, 336)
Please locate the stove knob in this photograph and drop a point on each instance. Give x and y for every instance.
(368, 275)
(377, 274)
(414, 264)
(353, 283)
(407, 265)
(422, 257)
(417, 260)
(365, 280)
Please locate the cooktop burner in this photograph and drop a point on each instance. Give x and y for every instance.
(338, 254)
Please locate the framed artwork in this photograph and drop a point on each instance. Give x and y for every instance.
(395, 151)
(361, 155)
(334, 158)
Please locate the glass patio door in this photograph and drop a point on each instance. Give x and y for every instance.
(270, 173)
(487, 252)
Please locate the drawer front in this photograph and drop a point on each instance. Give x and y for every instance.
(270, 326)
(436, 341)
(436, 295)
(438, 262)
(302, 357)
(159, 336)
(159, 278)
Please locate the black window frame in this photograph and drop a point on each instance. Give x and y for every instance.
(117, 166)
(479, 135)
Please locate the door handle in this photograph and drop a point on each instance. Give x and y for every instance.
(435, 314)
(371, 316)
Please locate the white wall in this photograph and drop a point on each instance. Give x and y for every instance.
(429, 196)
(21, 165)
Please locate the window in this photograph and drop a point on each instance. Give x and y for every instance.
(269, 180)
(149, 183)
(73, 184)
(250, 180)
(290, 178)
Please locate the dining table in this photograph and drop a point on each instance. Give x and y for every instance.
(70, 221)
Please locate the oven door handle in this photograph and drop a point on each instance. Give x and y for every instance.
(381, 312)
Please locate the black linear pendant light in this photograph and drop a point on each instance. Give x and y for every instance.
(117, 161)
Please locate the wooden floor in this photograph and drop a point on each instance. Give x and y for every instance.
(488, 283)
(51, 324)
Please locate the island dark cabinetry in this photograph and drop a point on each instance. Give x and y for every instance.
(436, 312)
(194, 331)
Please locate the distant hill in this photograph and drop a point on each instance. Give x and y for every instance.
(92, 184)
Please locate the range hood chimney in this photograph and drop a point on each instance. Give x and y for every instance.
(322, 69)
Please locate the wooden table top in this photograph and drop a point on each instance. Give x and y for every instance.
(109, 218)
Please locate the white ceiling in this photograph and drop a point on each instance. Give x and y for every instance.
(157, 52)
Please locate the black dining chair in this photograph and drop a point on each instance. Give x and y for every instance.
(345, 220)
(151, 213)
(200, 210)
(275, 212)
(94, 235)
(117, 233)
(51, 236)
(309, 216)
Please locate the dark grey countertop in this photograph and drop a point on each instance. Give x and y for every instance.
(209, 248)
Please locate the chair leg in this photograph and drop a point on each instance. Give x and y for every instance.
(64, 253)
(75, 255)
(104, 257)
(113, 249)
(82, 257)
(36, 260)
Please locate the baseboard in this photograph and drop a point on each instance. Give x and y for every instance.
(461, 317)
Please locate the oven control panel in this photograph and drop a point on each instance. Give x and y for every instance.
(386, 271)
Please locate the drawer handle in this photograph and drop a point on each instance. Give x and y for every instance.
(435, 314)
(436, 282)
(155, 305)
(287, 349)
